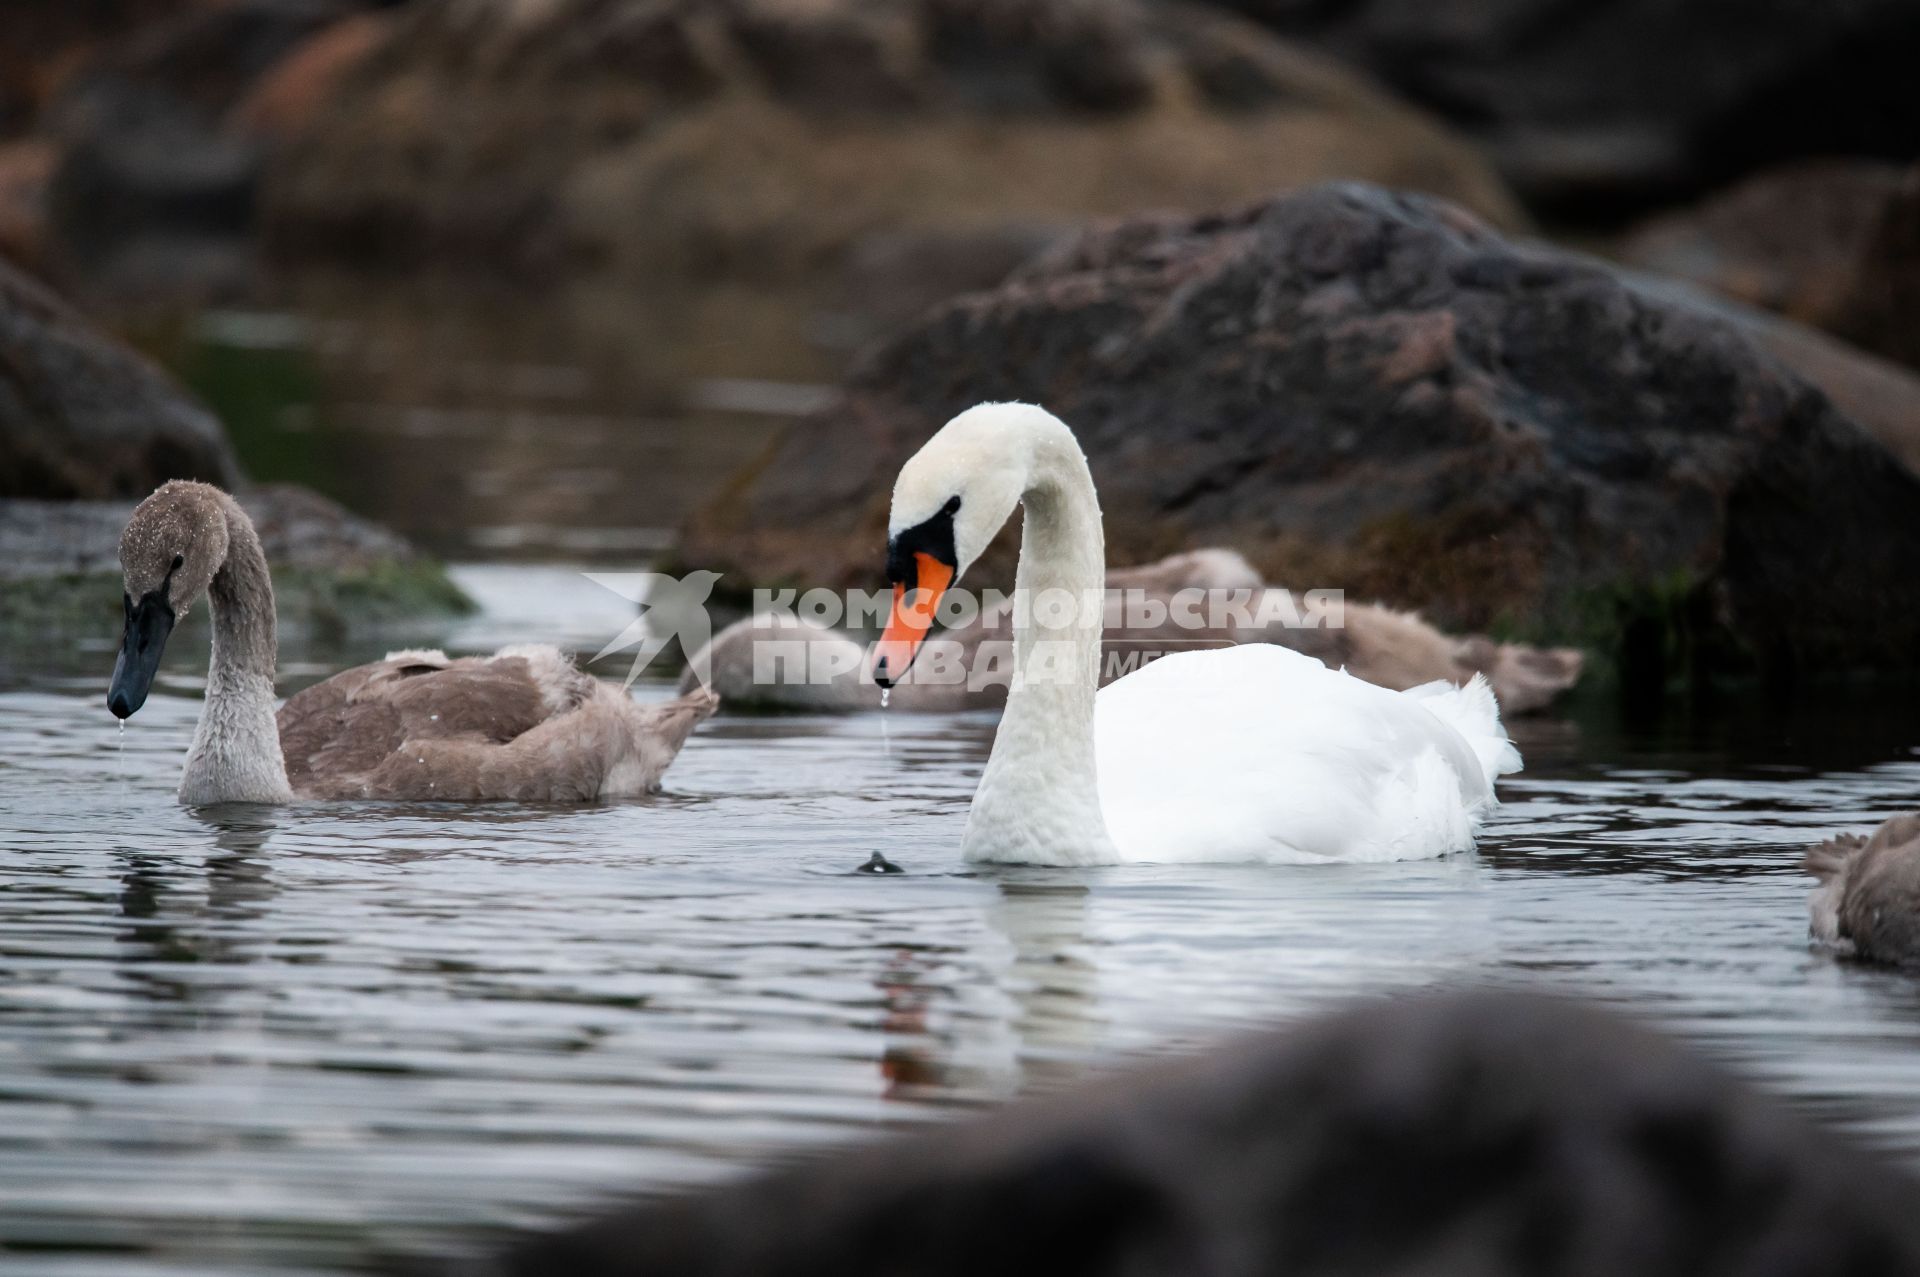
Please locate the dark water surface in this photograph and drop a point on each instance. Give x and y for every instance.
(584, 423)
(304, 1039)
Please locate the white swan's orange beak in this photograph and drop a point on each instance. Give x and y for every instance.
(912, 617)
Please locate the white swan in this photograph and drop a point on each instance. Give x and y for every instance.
(1251, 753)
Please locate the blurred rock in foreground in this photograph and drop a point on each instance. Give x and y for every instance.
(1590, 108)
(1834, 244)
(1480, 1133)
(763, 140)
(83, 416)
(1374, 392)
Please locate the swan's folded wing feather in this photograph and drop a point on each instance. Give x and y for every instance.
(325, 730)
(1259, 753)
(494, 699)
(338, 731)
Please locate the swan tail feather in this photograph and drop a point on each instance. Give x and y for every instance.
(1829, 861)
(1473, 711)
(673, 721)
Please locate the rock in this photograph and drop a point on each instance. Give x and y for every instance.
(1815, 242)
(41, 42)
(1789, 239)
(287, 99)
(1882, 310)
(88, 428)
(208, 57)
(1375, 392)
(60, 566)
(83, 416)
(25, 168)
(146, 154)
(762, 140)
(1485, 1133)
(1882, 397)
(1593, 108)
(299, 529)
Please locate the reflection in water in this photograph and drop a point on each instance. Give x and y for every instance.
(911, 1061)
(1048, 1024)
(587, 424)
(238, 882)
(1052, 978)
(317, 1037)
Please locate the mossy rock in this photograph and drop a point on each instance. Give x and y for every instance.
(334, 574)
(384, 596)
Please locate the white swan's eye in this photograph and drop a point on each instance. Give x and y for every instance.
(952, 506)
(179, 559)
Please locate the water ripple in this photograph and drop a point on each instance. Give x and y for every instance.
(308, 1039)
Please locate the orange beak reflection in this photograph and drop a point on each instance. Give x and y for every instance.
(912, 618)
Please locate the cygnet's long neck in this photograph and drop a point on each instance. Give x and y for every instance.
(1039, 799)
(236, 750)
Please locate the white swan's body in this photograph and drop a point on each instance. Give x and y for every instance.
(1259, 753)
(1252, 753)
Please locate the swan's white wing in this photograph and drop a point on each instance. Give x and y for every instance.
(1259, 753)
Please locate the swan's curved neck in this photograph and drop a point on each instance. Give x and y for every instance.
(236, 750)
(1039, 799)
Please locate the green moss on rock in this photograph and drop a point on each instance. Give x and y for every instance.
(329, 604)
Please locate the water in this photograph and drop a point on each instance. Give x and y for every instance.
(314, 1039)
(583, 423)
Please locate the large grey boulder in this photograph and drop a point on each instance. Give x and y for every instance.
(1376, 392)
